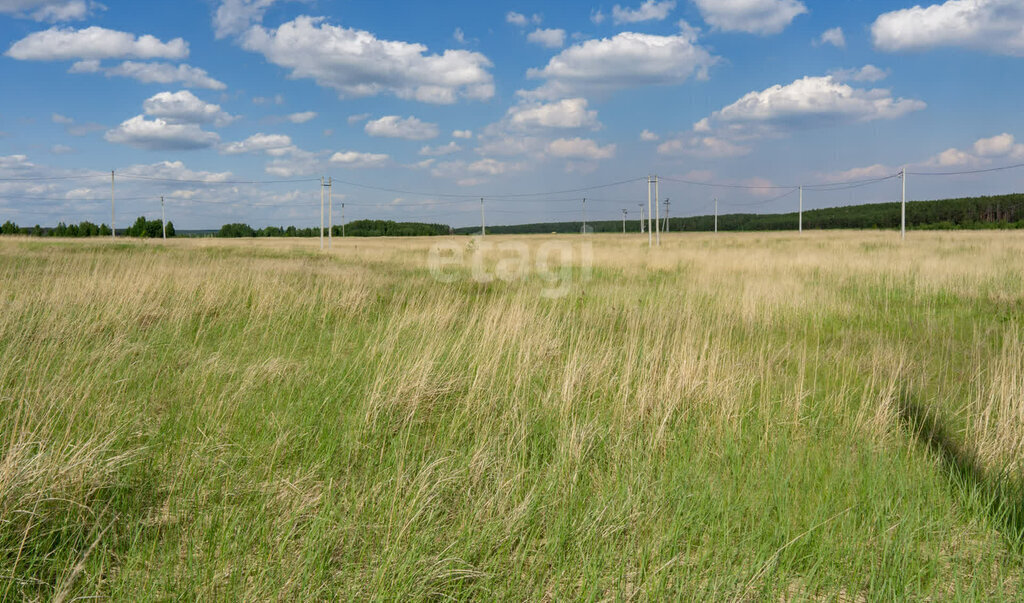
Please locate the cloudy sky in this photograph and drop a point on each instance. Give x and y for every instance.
(233, 109)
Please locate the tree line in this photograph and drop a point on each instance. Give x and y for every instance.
(142, 228)
(356, 228)
(1001, 211)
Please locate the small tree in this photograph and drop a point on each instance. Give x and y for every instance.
(9, 228)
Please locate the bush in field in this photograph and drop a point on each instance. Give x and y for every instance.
(152, 229)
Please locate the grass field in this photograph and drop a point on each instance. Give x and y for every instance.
(760, 416)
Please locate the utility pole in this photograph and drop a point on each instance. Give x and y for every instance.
(716, 214)
(321, 213)
(624, 212)
(330, 213)
(641, 217)
(483, 223)
(801, 209)
(650, 226)
(584, 215)
(163, 217)
(657, 212)
(113, 231)
(903, 205)
(343, 220)
(666, 213)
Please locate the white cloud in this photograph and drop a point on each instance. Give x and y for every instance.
(597, 17)
(459, 36)
(580, 148)
(160, 135)
(176, 170)
(649, 136)
(462, 134)
(953, 158)
(61, 149)
(808, 102)
(354, 119)
(264, 100)
(360, 160)
(516, 18)
(762, 17)
(548, 38)
(566, 113)
(648, 11)
(153, 73)
(235, 16)
(356, 63)
(272, 144)
(834, 37)
(57, 118)
(394, 126)
(867, 73)
(438, 151)
(50, 11)
(66, 44)
(625, 61)
(995, 146)
(301, 117)
(185, 107)
(708, 147)
(995, 26)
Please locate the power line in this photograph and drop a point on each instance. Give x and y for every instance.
(961, 173)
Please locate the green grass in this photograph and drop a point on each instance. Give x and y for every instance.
(745, 417)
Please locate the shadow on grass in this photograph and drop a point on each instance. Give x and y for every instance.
(1001, 494)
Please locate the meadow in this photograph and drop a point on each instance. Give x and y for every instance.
(832, 415)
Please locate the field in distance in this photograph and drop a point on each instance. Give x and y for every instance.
(737, 416)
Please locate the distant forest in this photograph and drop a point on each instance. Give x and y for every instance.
(1002, 211)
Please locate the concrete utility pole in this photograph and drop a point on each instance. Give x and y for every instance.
(657, 212)
(624, 212)
(330, 213)
(321, 213)
(716, 214)
(483, 223)
(113, 231)
(903, 205)
(163, 217)
(801, 209)
(641, 217)
(650, 226)
(666, 213)
(343, 220)
(584, 215)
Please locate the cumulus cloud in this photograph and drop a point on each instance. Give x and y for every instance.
(649, 136)
(566, 113)
(707, 147)
(355, 159)
(580, 148)
(272, 144)
(161, 73)
(832, 36)
(438, 151)
(627, 60)
(301, 117)
(176, 170)
(356, 63)
(995, 26)
(394, 126)
(996, 146)
(66, 44)
(57, 118)
(462, 134)
(50, 11)
(807, 102)
(516, 18)
(650, 10)
(185, 107)
(982, 153)
(548, 38)
(235, 16)
(763, 17)
(161, 135)
(867, 73)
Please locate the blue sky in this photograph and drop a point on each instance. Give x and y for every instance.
(447, 102)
